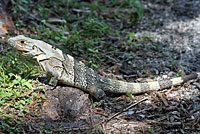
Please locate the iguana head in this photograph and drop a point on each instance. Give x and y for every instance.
(26, 46)
(34, 48)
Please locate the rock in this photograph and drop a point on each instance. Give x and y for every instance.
(73, 102)
(69, 102)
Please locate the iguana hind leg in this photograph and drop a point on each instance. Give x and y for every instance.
(97, 92)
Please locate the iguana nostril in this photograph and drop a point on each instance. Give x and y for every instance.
(10, 41)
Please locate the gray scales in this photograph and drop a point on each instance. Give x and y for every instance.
(67, 70)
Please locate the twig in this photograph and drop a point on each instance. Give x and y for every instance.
(130, 76)
(194, 110)
(162, 99)
(91, 119)
(164, 123)
(31, 105)
(80, 11)
(145, 98)
(196, 120)
(72, 128)
(101, 113)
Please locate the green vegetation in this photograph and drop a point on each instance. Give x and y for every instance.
(17, 95)
(151, 131)
(82, 28)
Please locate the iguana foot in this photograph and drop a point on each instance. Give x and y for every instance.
(96, 92)
(105, 101)
(53, 81)
(49, 87)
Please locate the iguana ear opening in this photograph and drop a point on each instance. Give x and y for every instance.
(34, 47)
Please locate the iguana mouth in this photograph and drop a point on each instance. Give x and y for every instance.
(15, 45)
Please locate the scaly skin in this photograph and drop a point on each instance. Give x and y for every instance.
(67, 70)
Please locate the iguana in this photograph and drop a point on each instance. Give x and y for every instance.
(67, 70)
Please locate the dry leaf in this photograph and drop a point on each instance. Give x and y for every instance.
(6, 23)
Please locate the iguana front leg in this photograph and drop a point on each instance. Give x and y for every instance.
(51, 72)
(53, 79)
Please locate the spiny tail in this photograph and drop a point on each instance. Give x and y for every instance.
(116, 86)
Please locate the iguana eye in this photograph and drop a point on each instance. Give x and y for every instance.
(22, 41)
